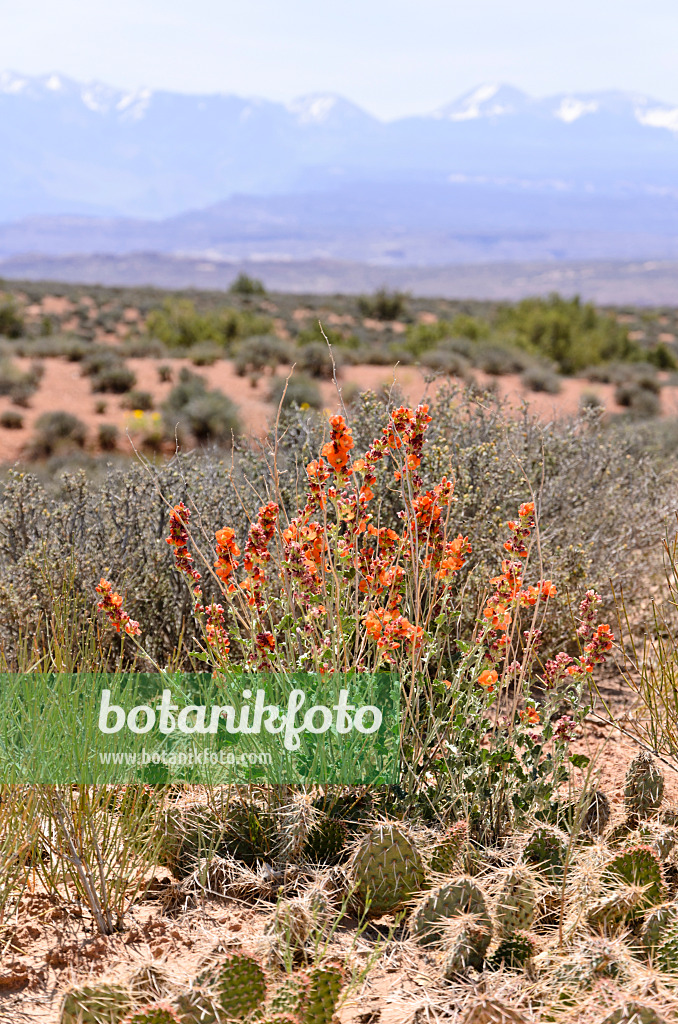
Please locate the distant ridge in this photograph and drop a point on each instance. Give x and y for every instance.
(608, 282)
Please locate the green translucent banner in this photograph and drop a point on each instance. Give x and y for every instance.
(209, 729)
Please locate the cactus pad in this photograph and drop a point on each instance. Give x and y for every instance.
(615, 910)
(149, 984)
(658, 925)
(466, 939)
(290, 996)
(637, 866)
(325, 841)
(157, 1013)
(634, 1013)
(514, 951)
(644, 786)
(197, 1007)
(238, 986)
(490, 1011)
(546, 850)
(449, 848)
(516, 902)
(326, 983)
(386, 869)
(461, 896)
(95, 1004)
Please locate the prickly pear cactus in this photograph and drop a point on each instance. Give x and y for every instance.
(326, 983)
(325, 841)
(658, 925)
(197, 1007)
(95, 1004)
(491, 1011)
(250, 833)
(665, 841)
(238, 986)
(515, 951)
(644, 786)
(617, 909)
(634, 1013)
(449, 848)
(292, 924)
(149, 984)
(546, 849)
(460, 896)
(597, 813)
(516, 902)
(187, 834)
(466, 939)
(666, 954)
(290, 996)
(386, 869)
(279, 1018)
(637, 866)
(157, 1013)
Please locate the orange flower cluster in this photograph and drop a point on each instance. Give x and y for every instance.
(453, 558)
(529, 715)
(390, 629)
(111, 606)
(309, 542)
(521, 530)
(337, 450)
(178, 539)
(227, 554)
(215, 633)
(257, 554)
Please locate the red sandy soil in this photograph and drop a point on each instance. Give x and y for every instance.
(64, 388)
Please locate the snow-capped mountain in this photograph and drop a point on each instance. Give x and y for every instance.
(69, 147)
(87, 167)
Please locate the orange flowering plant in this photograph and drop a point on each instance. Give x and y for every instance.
(340, 585)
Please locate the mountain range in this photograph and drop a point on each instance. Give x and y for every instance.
(496, 174)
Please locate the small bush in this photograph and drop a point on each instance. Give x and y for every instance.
(11, 420)
(315, 359)
(107, 436)
(541, 378)
(11, 320)
(383, 305)
(114, 378)
(189, 386)
(137, 400)
(641, 402)
(442, 360)
(164, 373)
(496, 360)
(301, 391)
(246, 285)
(100, 407)
(55, 431)
(589, 401)
(260, 353)
(662, 357)
(207, 415)
(212, 417)
(206, 353)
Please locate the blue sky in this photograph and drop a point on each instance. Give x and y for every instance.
(393, 57)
